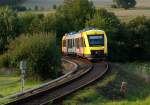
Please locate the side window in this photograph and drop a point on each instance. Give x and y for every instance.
(68, 43)
(73, 44)
(77, 42)
(64, 43)
(80, 42)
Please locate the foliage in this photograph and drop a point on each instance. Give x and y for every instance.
(49, 23)
(73, 13)
(4, 60)
(126, 41)
(10, 84)
(107, 91)
(41, 53)
(31, 23)
(14, 4)
(125, 3)
(104, 20)
(11, 2)
(19, 8)
(9, 26)
(138, 38)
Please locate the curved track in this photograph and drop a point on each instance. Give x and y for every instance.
(86, 74)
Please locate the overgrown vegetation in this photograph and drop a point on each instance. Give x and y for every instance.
(37, 37)
(41, 53)
(9, 27)
(126, 41)
(107, 91)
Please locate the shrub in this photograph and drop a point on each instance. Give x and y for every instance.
(4, 60)
(138, 38)
(113, 6)
(41, 53)
(31, 23)
(9, 27)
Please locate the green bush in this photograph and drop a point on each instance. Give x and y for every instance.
(9, 27)
(72, 15)
(31, 23)
(138, 38)
(4, 60)
(41, 53)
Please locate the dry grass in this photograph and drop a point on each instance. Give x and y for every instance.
(143, 3)
(127, 15)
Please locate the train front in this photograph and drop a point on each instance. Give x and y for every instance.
(96, 41)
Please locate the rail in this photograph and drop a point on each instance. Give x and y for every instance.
(82, 76)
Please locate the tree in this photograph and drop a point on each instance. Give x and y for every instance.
(11, 2)
(9, 27)
(29, 22)
(138, 38)
(72, 15)
(105, 20)
(125, 3)
(36, 8)
(54, 6)
(41, 53)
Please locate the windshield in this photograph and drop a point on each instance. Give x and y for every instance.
(96, 40)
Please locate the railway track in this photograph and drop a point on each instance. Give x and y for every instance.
(85, 74)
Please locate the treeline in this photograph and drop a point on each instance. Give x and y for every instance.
(11, 2)
(14, 4)
(124, 4)
(126, 41)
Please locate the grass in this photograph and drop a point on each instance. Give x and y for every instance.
(10, 84)
(107, 91)
(127, 15)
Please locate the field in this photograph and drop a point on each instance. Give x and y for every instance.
(107, 91)
(10, 83)
(127, 15)
(142, 8)
(99, 3)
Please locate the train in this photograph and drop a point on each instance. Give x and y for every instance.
(89, 43)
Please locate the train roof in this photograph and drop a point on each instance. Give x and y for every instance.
(71, 33)
(85, 29)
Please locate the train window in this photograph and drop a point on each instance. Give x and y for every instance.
(77, 42)
(69, 46)
(95, 40)
(70, 43)
(73, 45)
(64, 43)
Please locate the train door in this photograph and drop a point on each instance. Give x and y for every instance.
(70, 46)
(81, 46)
(73, 46)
